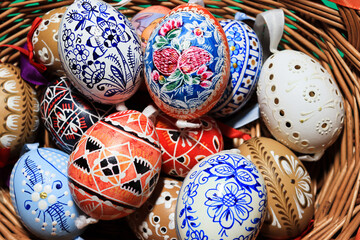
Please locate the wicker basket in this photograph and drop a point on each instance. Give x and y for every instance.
(320, 29)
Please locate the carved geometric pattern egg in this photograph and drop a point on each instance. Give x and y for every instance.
(19, 111)
(115, 165)
(290, 194)
(67, 114)
(183, 148)
(245, 66)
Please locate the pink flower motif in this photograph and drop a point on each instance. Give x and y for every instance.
(204, 76)
(169, 25)
(155, 75)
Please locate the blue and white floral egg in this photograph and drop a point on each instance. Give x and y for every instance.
(100, 51)
(67, 114)
(245, 66)
(187, 62)
(41, 196)
(222, 197)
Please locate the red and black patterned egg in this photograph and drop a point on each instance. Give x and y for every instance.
(115, 166)
(67, 114)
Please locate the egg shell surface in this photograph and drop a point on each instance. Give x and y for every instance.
(187, 62)
(41, 196)
(45, 41)
(300, 102)
(290, 194)
(156, 218)
(245, 66)
(183, 148)
(100, 51)
(67, 114)
(19, 119)
(115, 165)
(222, 197)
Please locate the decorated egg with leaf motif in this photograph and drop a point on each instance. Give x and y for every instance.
(183, 148)
(67, 114)
(187, 62)
(115, 165)
(41, 196)
(100, 51)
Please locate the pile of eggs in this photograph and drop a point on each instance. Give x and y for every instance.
(166, 170)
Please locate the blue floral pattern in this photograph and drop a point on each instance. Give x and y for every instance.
(223, 197)
(101, 51)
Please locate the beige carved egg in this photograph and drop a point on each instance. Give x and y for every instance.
(290, 196)
(19, 108)
(155, 220)
(45, 40)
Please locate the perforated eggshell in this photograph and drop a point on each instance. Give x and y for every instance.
(45, 41)
(156, 218)
(115, 165)
(100, 51)
(19, 119)
(300, 103)
(290, 194)
(187, 62)
(245, 66)
(41, 197)
(183, 148)
(67, 114)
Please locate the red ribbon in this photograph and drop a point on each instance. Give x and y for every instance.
(40, 67)
(355, 4)
(232, 132)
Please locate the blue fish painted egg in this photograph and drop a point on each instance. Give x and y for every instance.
(100, 51)
(67, 114)
(222, 197)
(245, 66)
(187, 62)
(41, 196)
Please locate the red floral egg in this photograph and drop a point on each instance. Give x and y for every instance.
(184, 148)
(115, 166)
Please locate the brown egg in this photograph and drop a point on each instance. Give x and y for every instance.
(155, 220)
(290, 196)
(19, 110)
(45, 40)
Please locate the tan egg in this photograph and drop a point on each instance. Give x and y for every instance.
(155, 220)
(290, 196)
(45, 40)
(19, 109)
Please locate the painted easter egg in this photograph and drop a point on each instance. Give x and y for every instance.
(45, 41)
(41, 196)
(222, 197)
(300, 103)
(290, 195)
(245, 66)
(19, 112)
(187, 62)
(100, 51)
(156, 218)
(115, 165)
(67, 114)
(143, 19)
(183, 148)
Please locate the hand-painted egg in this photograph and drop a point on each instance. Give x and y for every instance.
(115, 165)
(19, 112)
(290, 195)
(67, 114)
(245, 66)
(41, 195)
(187, 62)
(156, 218)
(143, 19)
(100, 51)
(222, 197)
(45, 41)
(183, 148)
(300, 103)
